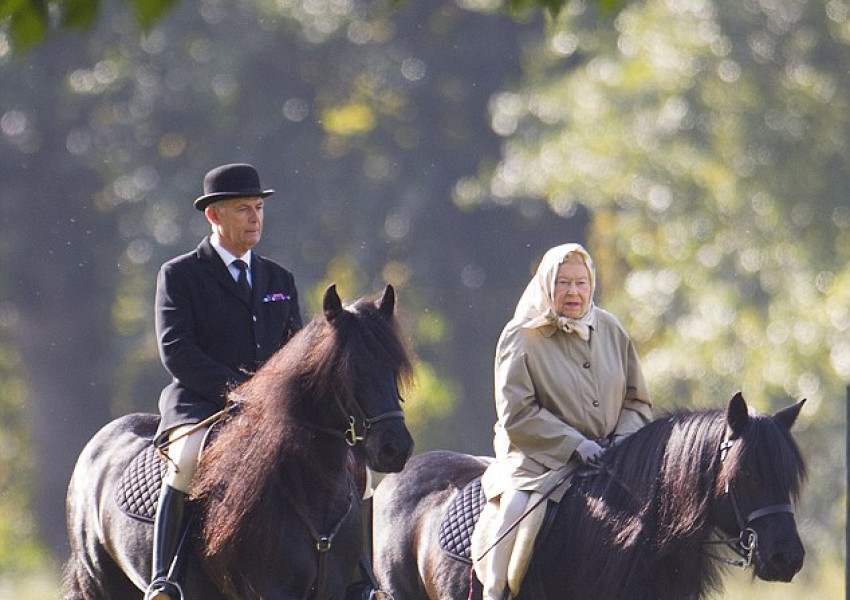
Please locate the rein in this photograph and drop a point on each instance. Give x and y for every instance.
(746, 544)
(561, 480)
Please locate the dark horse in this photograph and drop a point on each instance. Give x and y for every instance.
(639, 528)
(275, 502)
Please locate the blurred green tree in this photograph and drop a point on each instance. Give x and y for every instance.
(361, 122)
(29, 22)
(709, 142)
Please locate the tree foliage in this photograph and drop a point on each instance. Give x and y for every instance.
(709, 141)
(19, 547)
(29, 22)
(703, 144)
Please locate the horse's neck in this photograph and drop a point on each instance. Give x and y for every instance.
(319, 474)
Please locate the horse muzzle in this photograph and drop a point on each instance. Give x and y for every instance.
(388, 447)
(781, 563)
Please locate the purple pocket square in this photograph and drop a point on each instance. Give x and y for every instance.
(276, 297)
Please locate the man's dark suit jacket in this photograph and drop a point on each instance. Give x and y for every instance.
(209, 336)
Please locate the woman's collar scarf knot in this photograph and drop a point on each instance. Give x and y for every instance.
(581, 326)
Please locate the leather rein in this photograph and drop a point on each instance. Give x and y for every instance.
(746, 543)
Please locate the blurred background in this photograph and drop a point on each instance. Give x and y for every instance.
(698, 148)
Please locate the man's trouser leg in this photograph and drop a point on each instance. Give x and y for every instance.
(169, 522)
(512, 503)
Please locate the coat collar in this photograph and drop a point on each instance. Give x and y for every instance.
(215, 265)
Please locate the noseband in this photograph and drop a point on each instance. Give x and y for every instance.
(350, 435)
(746, 543)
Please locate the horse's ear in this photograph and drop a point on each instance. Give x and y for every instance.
(386, 305)
(737, 414)
(787, 416)
(331, 305)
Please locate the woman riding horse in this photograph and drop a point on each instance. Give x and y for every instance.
(568, 382)
(650, 522)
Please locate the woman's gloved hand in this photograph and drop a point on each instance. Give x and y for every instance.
(589, 452)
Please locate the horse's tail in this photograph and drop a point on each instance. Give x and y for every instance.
(72, 583)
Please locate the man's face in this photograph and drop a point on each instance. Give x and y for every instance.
(238, 222)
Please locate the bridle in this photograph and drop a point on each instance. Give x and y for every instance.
(746, 543)
(361, 422)
(323, 543)
(352, 438)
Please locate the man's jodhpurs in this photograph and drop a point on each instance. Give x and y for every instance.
(183, 453)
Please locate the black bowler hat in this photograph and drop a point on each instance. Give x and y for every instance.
(238, 180)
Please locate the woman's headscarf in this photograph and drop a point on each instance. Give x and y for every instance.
(536, 307)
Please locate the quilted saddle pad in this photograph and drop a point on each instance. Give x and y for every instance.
(138, 492)
(455, 534)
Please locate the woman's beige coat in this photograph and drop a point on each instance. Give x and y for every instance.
(554, 390)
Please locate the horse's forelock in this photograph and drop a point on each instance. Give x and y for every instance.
(769, 449)
(376, 339)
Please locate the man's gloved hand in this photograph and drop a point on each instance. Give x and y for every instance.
(589, 452)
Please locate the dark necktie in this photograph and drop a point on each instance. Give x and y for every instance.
(242, 281)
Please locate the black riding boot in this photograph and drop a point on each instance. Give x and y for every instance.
(167, 531)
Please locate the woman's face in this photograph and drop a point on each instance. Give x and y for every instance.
(572, 288)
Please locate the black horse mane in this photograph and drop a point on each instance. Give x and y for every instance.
(274, 439)
(655, 491)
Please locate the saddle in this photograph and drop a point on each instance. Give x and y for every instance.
(458, 522)
(455, 533)
(138, 492)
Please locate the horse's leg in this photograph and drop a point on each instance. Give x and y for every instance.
(96, 577)
(91, 572)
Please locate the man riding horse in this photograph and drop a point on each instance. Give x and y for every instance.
(221, 311)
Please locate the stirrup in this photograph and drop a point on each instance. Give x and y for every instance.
(163, 589)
